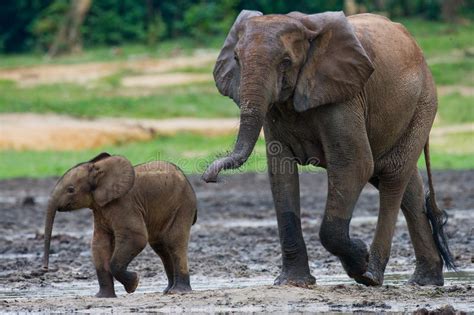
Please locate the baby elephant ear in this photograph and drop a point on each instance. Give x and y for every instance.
(99, 157)
(111, 178)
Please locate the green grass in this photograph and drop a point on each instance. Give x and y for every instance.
(455, 109)
(438, 38)
(451, 151)
(454, 73)
(190, 152)
(197, 100)
(128, 51)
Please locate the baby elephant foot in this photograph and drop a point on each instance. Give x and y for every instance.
(295, 279)
(132, 282)
(105, 294)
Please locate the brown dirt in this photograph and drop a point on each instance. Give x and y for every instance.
(450, 89)
(59, 132)
(86, 72)
(234, 254)
(48, 132)
(165, 79)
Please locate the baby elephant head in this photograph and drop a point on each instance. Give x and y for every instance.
(88, 185)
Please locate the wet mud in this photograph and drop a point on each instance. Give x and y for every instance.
(234, 254)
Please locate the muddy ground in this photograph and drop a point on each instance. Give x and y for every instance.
(234, 254)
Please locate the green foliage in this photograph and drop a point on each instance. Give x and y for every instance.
(47, 23)
(112, 22)
(281, 6)
(32, 24)
(205, 19)
(16, 23)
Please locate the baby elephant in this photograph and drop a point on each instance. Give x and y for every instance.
(151, 202)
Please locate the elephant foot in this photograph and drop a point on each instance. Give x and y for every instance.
(178, 289)
(375, 271)
(132, 284)
(427, 276)
(105, 294)
(369, 278)
(167, 289)
(356, 262)
(296, 280)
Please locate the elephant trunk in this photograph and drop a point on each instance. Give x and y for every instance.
(252, 114)
(48, 229)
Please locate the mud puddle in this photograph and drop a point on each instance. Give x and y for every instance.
(234, 254)
(89, 288)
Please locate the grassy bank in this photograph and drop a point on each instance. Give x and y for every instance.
(448, 48)
(193, 153)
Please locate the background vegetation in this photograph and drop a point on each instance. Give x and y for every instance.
(30, 25)
(123, 31)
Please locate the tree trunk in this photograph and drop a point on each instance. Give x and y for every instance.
(68, 39)
(450, 10)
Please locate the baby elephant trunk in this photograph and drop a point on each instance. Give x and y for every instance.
(48, 229)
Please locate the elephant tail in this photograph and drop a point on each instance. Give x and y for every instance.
(195, 216)
(436, 216)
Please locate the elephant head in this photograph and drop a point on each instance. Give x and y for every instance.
(88, 185)
(266, 60)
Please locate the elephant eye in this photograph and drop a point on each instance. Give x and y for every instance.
(286, 63)
(70, 190)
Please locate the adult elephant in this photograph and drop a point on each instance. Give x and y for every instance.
(353, 95)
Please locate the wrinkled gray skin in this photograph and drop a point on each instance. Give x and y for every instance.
(132, 206)
(352, 95)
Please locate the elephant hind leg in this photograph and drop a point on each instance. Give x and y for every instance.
(391, 191)
(173, 250)
(179, 258)
(175, 260)
(429, 265)
(167, 263)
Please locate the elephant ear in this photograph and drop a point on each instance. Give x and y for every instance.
(111, 178)
(99, 157)
(337, 66)
(226, 71)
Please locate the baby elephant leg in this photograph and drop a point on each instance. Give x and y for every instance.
(179, 260)
(167, 263)
(174, 253)
(102, 249)
(127, 247)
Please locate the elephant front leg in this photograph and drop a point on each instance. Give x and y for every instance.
(344, 187)
(283, 173)
(127, 246)
(102, 249)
